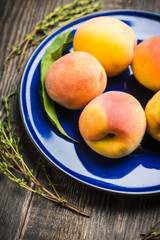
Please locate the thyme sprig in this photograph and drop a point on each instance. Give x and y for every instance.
(152, 234)
(60, 16)
(13, 166)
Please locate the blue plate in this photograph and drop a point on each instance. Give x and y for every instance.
(136, 174)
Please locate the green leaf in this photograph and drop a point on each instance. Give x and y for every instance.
(53, 53)
(5, 165)
(11, 94)
(17, 180)
(6, 173)
(39, 191)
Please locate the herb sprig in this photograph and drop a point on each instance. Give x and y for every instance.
(13, 166)
(60, 16)
(152, 234)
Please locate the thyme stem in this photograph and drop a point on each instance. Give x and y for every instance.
(152, 234)
(11, 160)
(60, 16)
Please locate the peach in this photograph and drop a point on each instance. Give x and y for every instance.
(113, 124)
(146, 63)
(108, 39)
(75, 79)
(152, 111)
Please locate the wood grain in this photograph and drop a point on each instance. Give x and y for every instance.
(22, 214)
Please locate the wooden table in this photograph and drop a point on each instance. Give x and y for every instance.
(23, 215)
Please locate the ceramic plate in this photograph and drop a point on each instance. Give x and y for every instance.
(136, 174)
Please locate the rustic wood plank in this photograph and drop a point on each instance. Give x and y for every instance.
(24, 215)
(145, 5)
(14, 24)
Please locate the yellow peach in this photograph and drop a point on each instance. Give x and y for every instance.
(146, 63)
(108, 39)
(75, 79)
(113, 124)
(152, 111)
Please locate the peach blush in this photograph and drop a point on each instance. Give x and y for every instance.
(113, 124)
(146, 63)
(75, 79)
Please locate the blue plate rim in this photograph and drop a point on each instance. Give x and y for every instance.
(142, 13)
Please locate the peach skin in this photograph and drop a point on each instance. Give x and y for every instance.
(110, 40)
(146, 63)
(113, 124)
(152, 111)
(75, 79)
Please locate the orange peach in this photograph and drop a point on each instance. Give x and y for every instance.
(75, 79)
(152, 111)
(110, 40)
(113, 124)
(146, 63)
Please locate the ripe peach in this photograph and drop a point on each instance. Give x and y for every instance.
(75, 79)
(152, 111)
(113, 124)
(146, 63)
(110, 40)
